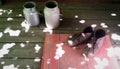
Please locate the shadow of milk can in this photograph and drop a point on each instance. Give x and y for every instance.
(51, 14)
(31, 14)
(1, 2)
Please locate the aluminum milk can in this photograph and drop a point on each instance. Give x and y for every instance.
(51, 14)
(31, 14)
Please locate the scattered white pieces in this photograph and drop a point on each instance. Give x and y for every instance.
(113, 14)
(70, 36)
(85, 57)
(110, 52)
(115, 36)
(89, 45)
(61, 19)
(70, 42)
(33, 34)
(9, 11)
(5, 49)
(22, 45)
(27, 42)
(37, 48)
(4, 11)
(59, 51)
(118, 25)
(113, 52)
(1, 13)
(82, 21)
(101, 63)
(48, 61)
(74, 48)
(91, 54)
(10, 67)
(71, 68)
(93, 25)
(107, 30)
(48, 30)
(7, 30)
(28, 66)
(1, 10)
(83, 34)
(58, 45)
(61, 44)
(9, 19)
(3, 62)
(56, 57)
(15, 58)
(12, 32)
(8, 45)
(117, 52)
(82, 63)
(37, 59)
(76, 16)
(103, 25)
(20, 15)
(1, 34)
(26, 25)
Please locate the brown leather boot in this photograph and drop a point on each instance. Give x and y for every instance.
(81, 37)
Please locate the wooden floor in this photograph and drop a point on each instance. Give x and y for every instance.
(24, 57)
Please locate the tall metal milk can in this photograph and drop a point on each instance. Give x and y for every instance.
(51, 14)
(31, 14)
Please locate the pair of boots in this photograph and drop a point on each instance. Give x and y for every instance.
(80, 38)
(88, 36)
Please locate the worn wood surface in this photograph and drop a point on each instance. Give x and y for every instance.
(91, 13)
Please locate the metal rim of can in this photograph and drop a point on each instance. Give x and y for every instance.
(51, 4)
(30, 4)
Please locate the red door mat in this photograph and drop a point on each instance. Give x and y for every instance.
(58, 55)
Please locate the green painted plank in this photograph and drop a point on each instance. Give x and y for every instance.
(83, 10)
(19, 19)
(90, 14)
(86, 14)
(21, 63)
(31, 36)
(17, 24)
(69, 23)
(66, 5)
(74, 25)
(26, 52)
(90, 6)
(111, 30)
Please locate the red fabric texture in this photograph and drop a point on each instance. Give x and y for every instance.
(72, 57)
